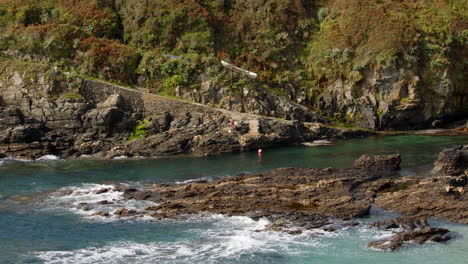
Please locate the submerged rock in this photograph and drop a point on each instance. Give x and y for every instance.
(406, 223)
(103, 190)
(65, 193)
(122, 212)
(415, 230)
(102, 214)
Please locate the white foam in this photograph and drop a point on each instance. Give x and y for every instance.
(192, 180)
(121, 157)
(49, 157)
(121, 252)
(86, 193)
(128, 158)
(227, 239)
(17, 159)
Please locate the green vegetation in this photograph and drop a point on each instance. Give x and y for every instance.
(358, 34)
(140, 130)
(72, 96)
(289, 43)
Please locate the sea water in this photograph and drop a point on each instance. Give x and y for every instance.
(39, 226)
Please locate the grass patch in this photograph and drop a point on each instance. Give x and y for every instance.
(140, 130)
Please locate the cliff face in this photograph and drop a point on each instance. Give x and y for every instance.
(394, 97)
(44, 111)
(250, 98)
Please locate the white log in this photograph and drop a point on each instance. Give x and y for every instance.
(249, 74)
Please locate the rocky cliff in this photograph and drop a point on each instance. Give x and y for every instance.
(395, 98)
(251, 98)
(44, 111)
(380, 98)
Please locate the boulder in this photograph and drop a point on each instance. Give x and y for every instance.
(122, 212)
(379, 163)
(452, 161)
(102, 214)
(103, 190)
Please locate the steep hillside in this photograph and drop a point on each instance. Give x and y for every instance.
(376, 64)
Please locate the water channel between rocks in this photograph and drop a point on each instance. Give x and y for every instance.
(37, 227)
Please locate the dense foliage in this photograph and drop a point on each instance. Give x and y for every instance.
(296, 43)
(355, 34)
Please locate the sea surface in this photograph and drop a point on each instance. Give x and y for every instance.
(39, 226)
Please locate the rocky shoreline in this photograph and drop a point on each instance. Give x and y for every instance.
(298, 199)
(47, 112)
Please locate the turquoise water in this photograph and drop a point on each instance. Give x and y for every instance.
(37, 226)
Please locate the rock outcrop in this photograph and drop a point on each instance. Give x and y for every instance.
(444, 195)
(251, 99)
(415, 230)
(289, 197)
(452, 161)
(394, 98)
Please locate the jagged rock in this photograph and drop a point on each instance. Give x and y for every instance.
(254, 100)
(129, 193)
(101, 213)
(105, 115)
(25, 134)
(65, 193)
(405, 222)
(103, 190)
(452, 161)
(416, 231)
(438, 196)
(289, 197)
(104, 202)
(10, 117)
(385, 163)
(84, 206)
(122, 212)
(392, 97)
(123, 188)
(143, 195)
(294, 232)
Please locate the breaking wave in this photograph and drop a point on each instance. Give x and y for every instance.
(88, 199)
(228, 239)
